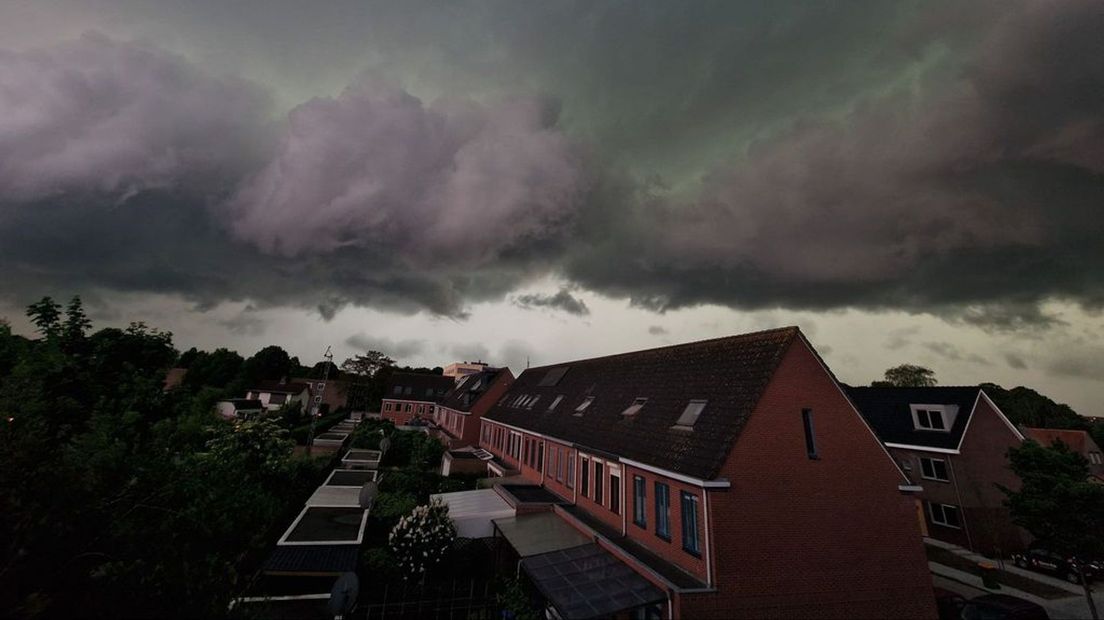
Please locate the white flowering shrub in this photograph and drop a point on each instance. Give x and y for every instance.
(422, 538)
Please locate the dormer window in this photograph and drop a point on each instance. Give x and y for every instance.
(583, 405)
(690, 415)
(938, 418)
(635, 406)
(555, 402)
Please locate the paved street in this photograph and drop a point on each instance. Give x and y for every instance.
(1070, 608)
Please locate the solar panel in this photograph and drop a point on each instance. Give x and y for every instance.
(552, 377)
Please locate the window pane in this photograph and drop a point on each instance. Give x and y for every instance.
(937, 420)
(640, 516)
(615, 494)
(584, 474)
(662, 509)
(690, 522)
(922, 416)
(598, 497)
(810, 439)
(570, 469)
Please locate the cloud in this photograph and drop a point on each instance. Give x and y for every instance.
(1015, 361)
(562, 300)
(657, 330)
(400, 350)
(102, 118)
(519, 355)
(938, 196)
(245, 323)
(951, 352)
(467, 351)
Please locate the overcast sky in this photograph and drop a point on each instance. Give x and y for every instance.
(513, 180)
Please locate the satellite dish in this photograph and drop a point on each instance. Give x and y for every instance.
(343, 596)
(385, 444)
(368, 494)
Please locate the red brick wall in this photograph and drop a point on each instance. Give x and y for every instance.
(982, 465)
(671, 550)
(398, 413)
(800, 538)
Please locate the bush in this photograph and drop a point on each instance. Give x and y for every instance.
(421, 539)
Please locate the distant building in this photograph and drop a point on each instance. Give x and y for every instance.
(952, 442)
(1077, 441)
(239, 408)
(333, 394)
(458, 413)
(717, 479)
(460, 369)
(276, 394)
(173, 378)
(412, 395)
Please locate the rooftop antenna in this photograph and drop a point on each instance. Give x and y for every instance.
(315, 406)
(527, 361)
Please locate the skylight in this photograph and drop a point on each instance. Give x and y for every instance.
(552, 377)
(635, 406)
(529, 405)
(555, 402)
(690, 415)
(586, 403)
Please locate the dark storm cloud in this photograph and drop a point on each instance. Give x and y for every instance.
(1015, 361)
(561, 300)
(954, 353)
(944, 197)
(657, 330)
(967, 184)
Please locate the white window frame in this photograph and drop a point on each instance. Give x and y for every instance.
(942, 520)
(935, 474)
(947, 413)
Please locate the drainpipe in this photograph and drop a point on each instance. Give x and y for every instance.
(961, 508)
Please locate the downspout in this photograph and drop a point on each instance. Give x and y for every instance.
(961, 508)
(708, 540)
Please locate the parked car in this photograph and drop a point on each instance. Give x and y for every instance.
(987, 607)
(1043, 560)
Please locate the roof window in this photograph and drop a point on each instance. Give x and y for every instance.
(555, 402)
(552, 377)
(533, 401)
(583, 405)
(690, 415)
(636, 405)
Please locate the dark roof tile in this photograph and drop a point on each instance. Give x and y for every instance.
(888, 412)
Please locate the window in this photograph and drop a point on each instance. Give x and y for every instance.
(944, 514)
(552, 377)
(398, 389)
(570, 469)
(318, 399)
(640, 496)
(540, 456)
(690, 523)
(598, 484)
(690, 415)
(663, 510)
(409, 407)
(934, 469)
(557, 472)
(277, 399)
(408, 390)
(584, 474)
(1095, 458)
(906, 464)
(387, 407)
(555, 402)
(932, 417)
(810, 439)
(429, 392)
(635, 407)
(530, 404)
(615, 492)
(582, 406)
(320, 386)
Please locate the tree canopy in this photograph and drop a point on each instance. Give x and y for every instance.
(907, 375)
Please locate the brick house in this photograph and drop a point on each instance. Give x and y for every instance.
(952, 442)
(332, 393)
(733, 475)
(1078, 441)
(412, 395)
(458, 414)
(276, 394)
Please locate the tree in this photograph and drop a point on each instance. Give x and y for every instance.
(907, 375)
(76, 325)
(367, 365)
(259, 446)
(1058, 503)
(270, 363)
(46, 315)
(421, 539)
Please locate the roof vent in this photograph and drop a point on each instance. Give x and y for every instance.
(690, 415)
(635, 406)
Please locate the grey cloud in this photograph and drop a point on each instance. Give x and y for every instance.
(246, 323)
(657, 330)
(941, 196)
(561, 300)
(952, 352)
(1079, 363)
(901, 337)
(1015, 361)
(398, 349)
(518, 355)
(467, 351)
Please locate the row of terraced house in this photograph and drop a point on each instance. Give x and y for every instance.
(724, 478)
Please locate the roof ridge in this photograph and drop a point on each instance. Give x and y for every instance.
(793, 329)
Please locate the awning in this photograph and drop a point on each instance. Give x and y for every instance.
(472, 511)
(312, 560)
(588, 582)
(539, 533)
